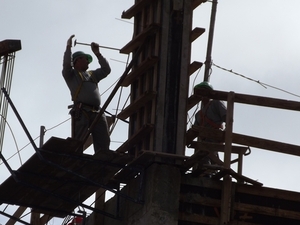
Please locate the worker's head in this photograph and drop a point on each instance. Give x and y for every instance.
(81, 60)
(204, 85)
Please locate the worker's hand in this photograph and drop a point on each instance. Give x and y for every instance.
(95, 48)
(69, 42)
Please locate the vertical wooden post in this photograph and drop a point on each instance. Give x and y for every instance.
(184, 76)
(226, 189)
(18, 213)
(35, 218)
(99, 204)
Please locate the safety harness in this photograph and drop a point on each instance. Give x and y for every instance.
(204, 118)
(83, 79)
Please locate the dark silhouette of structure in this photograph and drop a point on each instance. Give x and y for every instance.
(149, 174)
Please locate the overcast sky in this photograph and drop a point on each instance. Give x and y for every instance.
(258, 39)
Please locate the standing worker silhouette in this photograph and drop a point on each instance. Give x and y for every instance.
(83, 85)
(212, 115)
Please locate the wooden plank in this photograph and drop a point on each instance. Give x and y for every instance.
(199, 199)
(141, 69)
(35, 219)
(136, 8)
(140, 38)
(201, 182)
(250, 99)
(192, 101)
(195, 158)
(227, 181)
(99, 204)
(241, 222)
(144, 160)
(219, 147)
(283, 195)
(196, 3)
(245, 140)
(196, 32)
(238, 177)
(205, 132)
(196, 218)
(137, 104)
(135, 167)
(194, 67)
(136, 138)
(17, 214)
(269, 211)
(265, 144)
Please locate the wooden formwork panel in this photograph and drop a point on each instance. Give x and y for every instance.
(200, 202)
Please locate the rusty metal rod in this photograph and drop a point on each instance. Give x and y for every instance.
(80, 43)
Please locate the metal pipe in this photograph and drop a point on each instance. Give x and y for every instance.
(210, 40)
(81, 43)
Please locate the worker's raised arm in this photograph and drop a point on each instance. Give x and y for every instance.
(105, 69)
(67, 59)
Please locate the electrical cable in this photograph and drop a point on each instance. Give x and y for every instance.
(257, 81)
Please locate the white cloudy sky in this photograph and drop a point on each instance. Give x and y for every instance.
(259, 39)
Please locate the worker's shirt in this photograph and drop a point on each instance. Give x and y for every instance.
(214, 112)
(86, 81)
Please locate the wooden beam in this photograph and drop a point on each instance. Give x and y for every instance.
(136, 8)
(206, 132)
(245, 140)
(137, 104)
(269, 211)
(268, 192)
(194, 67)
(99, 204)
(227, 181)
(136, 41)
(218, 147)
(249, 99)
(17, 214)
(35, 218)
(196, 32)
(195, 158)
(136, 138)
(260, 143)
(141, 69)
(196, 218)
(196, 3)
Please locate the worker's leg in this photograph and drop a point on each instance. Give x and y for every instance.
(101, 135)
(81, 126)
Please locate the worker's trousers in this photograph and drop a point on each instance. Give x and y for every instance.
(99, 131)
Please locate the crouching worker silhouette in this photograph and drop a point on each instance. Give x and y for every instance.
(211, 115)
(83, 85)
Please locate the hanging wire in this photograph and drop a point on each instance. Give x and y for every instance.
(118, 104)
(19, 150)
(190, 118)
(114, 125)
(110, 87)
(124, 21)
(15, 141)
(256, 81)
(58, 125)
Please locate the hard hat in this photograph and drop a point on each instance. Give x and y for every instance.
(205, 85)
(80, 54)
